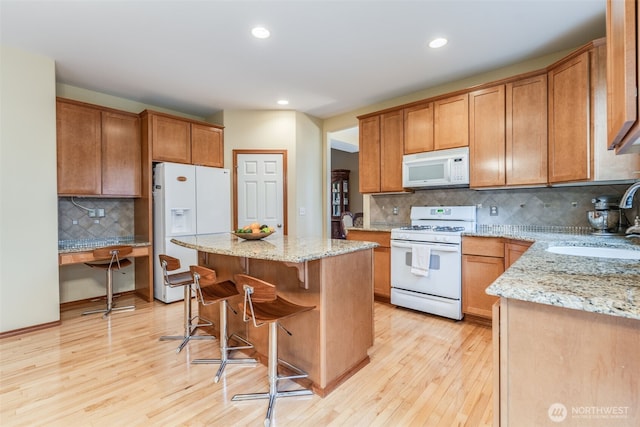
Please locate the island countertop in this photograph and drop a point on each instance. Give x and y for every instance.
(599, 285)
(273, 248)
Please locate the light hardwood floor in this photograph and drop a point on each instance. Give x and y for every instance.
(424, 371)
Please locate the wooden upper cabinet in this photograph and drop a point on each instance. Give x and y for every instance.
(180, 140)
(99, 151)
(526, 131)
(622, 72)
(171, 139)
(79, 151)
(487, 137)
(451, 122)
(121, 154)
(391, 150)
(569, 121)
(207, 146)
(418, 128)
(369, 157)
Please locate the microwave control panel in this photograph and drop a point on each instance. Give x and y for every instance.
(459, 170)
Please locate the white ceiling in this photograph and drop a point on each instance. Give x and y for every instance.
(326, 57)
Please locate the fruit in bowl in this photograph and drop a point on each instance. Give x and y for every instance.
(254, 231)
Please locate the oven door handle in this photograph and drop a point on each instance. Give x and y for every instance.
(440, 248)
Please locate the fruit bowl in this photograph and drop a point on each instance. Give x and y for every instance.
(252, 236)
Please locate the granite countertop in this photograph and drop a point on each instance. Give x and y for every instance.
(82, 245)
(599, 285)
(275, 247)
(386, 228)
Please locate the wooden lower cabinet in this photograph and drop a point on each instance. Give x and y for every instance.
(478, 272)
(484, 259)
(577, 362)
(381, 258)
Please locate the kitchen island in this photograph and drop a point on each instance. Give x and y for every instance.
(566, 336)
(336, 276)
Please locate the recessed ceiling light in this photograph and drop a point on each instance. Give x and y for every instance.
(260, 33)
(283, 102)
(436, 43)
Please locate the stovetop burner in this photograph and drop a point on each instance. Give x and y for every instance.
(416, 227)
(438, 228)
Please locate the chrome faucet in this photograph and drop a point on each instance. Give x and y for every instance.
(626, 203)
(627, 199)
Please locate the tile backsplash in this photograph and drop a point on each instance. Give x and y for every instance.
(558, 206)
(75, 223)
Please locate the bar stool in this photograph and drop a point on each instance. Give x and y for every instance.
(263, 306)
(113, 254)
(209, 292)
(184, 279)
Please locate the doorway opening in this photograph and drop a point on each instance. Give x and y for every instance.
(343, 196)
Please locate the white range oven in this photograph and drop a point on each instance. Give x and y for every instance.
(426, 259)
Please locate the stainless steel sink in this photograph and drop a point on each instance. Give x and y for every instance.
(599, 252)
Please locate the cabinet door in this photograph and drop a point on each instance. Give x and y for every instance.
(487, 136)
(171, 141)
(382, 273)
(451, 122)
(369, 158)
(207, 147)
(391, 150)
(513, 251)
(622, 62)
(418, 128)
(526, 131)
(121, 155)
(478, 272)
(79, 149)
(569, 151)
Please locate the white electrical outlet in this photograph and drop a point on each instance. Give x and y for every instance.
(92, 213)
(100, 213)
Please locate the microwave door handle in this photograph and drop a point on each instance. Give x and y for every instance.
(433, 247)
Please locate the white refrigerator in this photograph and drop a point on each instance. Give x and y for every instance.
(187, 200)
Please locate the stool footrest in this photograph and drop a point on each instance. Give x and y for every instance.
(224, 359)
(299, 373)
(256, 396)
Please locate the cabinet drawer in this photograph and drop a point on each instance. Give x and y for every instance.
(383, 238)
(483, 246)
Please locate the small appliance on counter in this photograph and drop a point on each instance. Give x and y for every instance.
(605, 218)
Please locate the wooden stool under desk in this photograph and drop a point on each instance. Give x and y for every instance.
(263, 306)
(113, 254)
(209, 292)
(184, 279)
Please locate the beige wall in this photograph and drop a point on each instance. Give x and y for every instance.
(29, 292)
(298, 134)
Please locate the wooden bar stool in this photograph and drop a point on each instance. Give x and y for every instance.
(113, 254)
(209, 292)
(263, 306)
(184, 279)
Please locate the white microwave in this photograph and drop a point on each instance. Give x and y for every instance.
(436, 168)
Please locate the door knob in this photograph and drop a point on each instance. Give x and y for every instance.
(279, 225)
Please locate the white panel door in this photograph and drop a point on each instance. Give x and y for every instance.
(260, 190)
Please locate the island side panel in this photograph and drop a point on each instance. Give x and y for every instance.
(579, 359)
(347, 300)
(303, 347)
